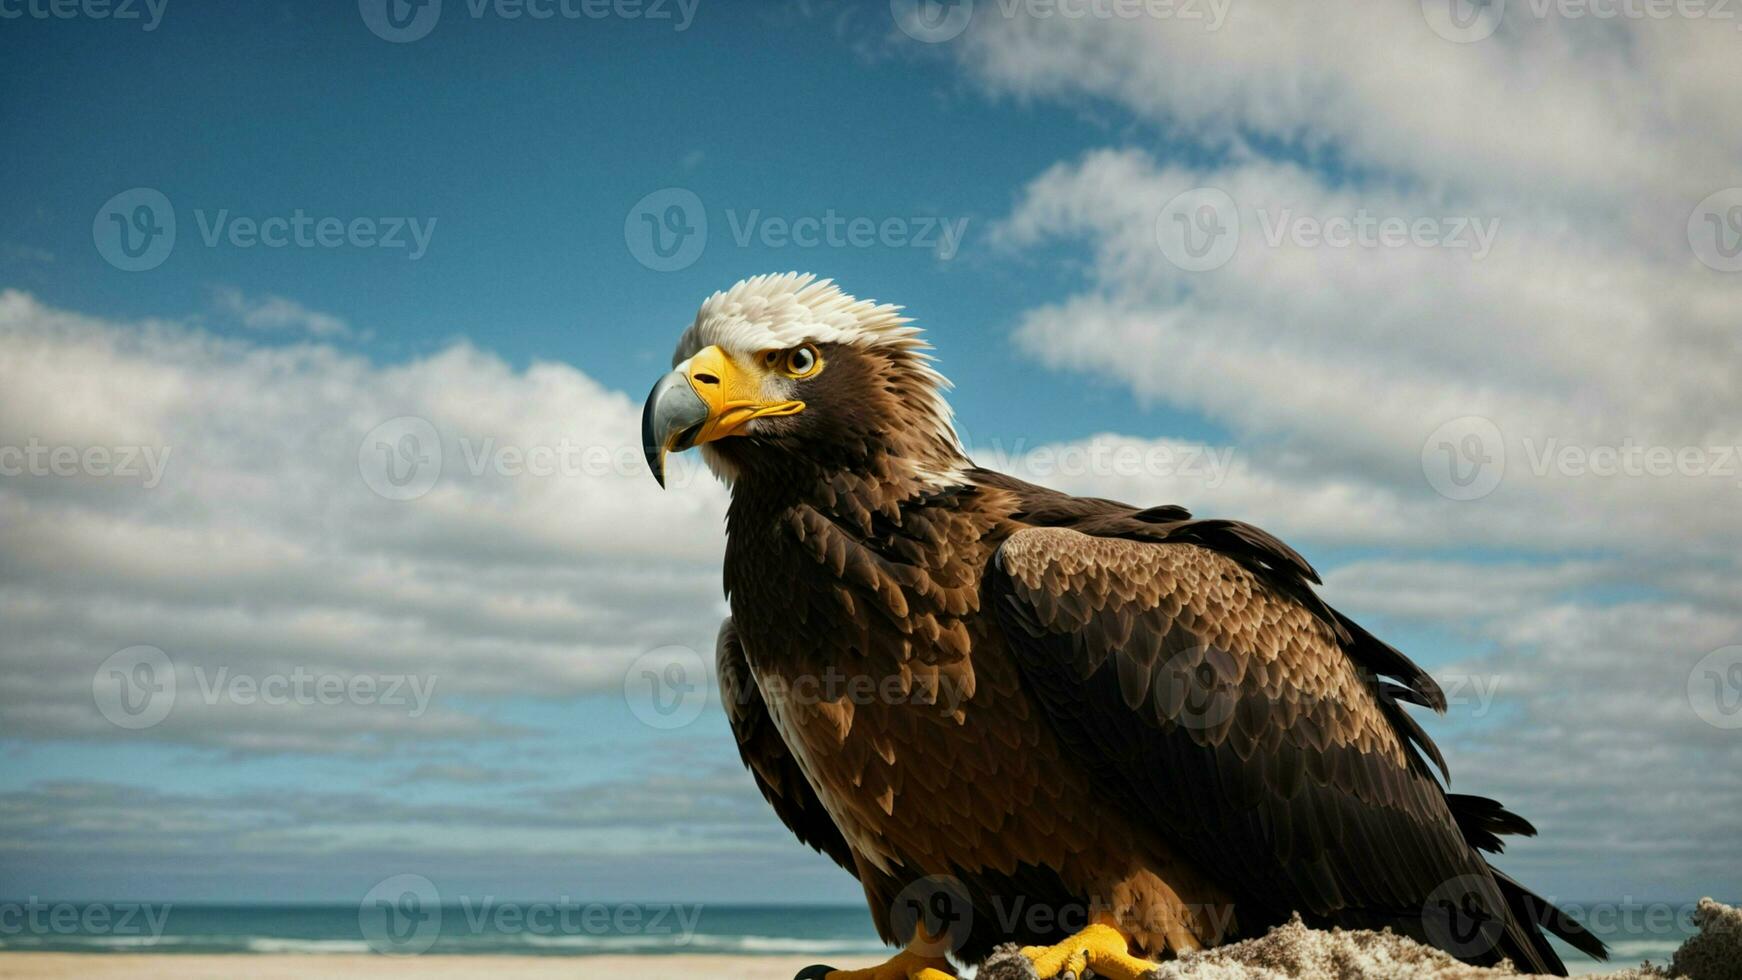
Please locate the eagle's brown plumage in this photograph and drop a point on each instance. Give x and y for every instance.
(1066, 703)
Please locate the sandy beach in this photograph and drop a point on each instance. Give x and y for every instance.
(160, 966)
(1287, 952)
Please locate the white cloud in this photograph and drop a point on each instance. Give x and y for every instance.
(1575, 334)
(277, 313)
(263, 548)
(1590, 336)
(1578, 109)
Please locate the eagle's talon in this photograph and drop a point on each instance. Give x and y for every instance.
(905, 965)
(1101, 948)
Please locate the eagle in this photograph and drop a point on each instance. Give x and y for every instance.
(1081, 734)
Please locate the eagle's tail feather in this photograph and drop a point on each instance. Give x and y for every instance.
(1484, 821)
(1535, 913)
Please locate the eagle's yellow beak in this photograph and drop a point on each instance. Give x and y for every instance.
(708, 397)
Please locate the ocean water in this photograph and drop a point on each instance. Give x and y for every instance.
(568, 928)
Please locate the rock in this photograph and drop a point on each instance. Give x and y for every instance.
(1294, 952)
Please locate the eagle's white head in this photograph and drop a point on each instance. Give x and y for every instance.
(788, 367)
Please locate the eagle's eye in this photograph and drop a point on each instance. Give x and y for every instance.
(801, 362)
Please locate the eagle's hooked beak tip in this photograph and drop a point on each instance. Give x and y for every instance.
(708, 397)
(674, 413)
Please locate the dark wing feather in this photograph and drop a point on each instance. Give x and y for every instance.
(1199, 692)
(767, 757)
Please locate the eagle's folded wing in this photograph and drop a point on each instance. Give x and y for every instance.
(767, 757)
(1206, 700)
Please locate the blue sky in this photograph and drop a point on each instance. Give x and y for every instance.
(528, 142)
(1581, 603)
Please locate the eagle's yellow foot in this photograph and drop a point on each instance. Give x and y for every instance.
(905, 965)
(1101, 948)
